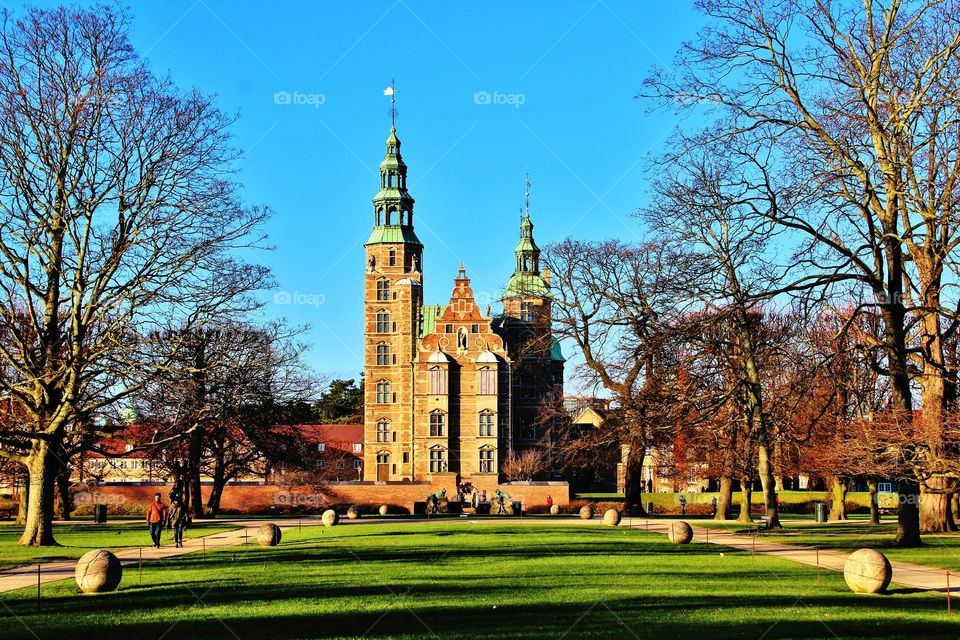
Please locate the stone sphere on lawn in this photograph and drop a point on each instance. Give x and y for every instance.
(555, 509)
(680, 532)
(353, 512)
(268, 535)
(330, 518)
(586, 512)
(867, 571)
(611, 517)
(98, 571)
(384, 509)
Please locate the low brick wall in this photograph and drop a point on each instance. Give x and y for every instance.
(266, 498)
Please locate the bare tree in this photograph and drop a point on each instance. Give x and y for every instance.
(616, 302)
(119, 213)
(861, 102)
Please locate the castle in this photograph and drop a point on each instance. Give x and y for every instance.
(449, 390)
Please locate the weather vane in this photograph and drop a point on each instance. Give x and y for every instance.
(526, 194)
(392, 91)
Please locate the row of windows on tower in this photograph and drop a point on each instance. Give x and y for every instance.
(438, 426)
(385, 326)
(389, 180)
(438, 459)
(487, 379)
(390, 217)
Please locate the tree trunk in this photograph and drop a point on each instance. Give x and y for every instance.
(746, 492)
(24, 498)
(38, 530)
(216, 491)
(935, 508)
(63, 489)
(908, 515)
(193, 473)
(633, 481)
(725, 499)
(838, 499)
(874, 507)
(954, 508)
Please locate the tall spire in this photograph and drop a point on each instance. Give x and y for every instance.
(393, 204)
(526, 279)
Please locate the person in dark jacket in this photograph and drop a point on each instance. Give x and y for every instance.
(179, 519)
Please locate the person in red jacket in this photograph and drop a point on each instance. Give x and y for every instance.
(156, 517)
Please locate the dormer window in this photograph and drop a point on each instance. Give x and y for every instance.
(526, 312)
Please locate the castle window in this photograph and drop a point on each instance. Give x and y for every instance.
(448, 328)
(383, 353)
(526, 312)
(383, 289)
(474, 328)
(389, 180)
(383, 322)
(392, 258)
(528, 430)
(486, 460)
(383, 392)
(438, 381)
(488, 381)
(486, 424)
(383, 458)
(437, 422)
(383, 431)
(438, 460)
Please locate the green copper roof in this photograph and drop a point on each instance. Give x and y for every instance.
(393, 235)
(527, 284)
(556, 353)
(392, 193)
(430, 314)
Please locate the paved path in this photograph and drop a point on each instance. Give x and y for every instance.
(904, 573)
(26, 576)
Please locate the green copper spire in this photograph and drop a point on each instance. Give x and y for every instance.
(526, 279)
(393, 204)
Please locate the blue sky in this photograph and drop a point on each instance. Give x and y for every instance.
(562, 76)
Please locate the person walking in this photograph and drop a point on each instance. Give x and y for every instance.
(549, 502)
(157, 513)
(179, 519)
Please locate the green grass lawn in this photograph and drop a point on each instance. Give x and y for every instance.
(78, 538)
(468, 580)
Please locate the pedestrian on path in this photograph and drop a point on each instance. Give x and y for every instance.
(179, 519)
(157, 514)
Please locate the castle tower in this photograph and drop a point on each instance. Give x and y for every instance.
(526, 326)
(393, 297)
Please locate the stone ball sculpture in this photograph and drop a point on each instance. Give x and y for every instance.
(555, 509)
(98, 571)
(680, 532)
(611, 517)
(867, 571)
(586, 512)
(353, 512)
(268, 535)
(330, 518)
(384, 509)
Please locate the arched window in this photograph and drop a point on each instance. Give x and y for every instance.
(438, 424)
(383, 321)
(488, 381)
(390, 213)
(438, 381)
(383, 430)
(487, 460)
(438, 460)
(383, 392)
(383, 289)
(462, 338)
(486, 423)
(383, 353)
(383, 457)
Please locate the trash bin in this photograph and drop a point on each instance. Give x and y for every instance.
(820, 511)
(99, 513)
(650, 507)
(517, 508)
